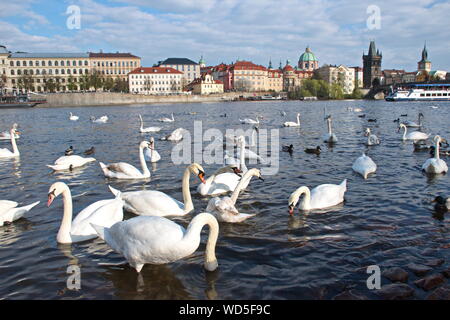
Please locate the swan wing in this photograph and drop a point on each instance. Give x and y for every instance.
(5, 205)
(5, 152)
(124, 168)
(327, 195)
(152, 203)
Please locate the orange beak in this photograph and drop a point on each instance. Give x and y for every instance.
(51, 197)
(201, 176)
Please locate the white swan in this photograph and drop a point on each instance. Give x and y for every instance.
(157, 203)
(151, 154)
(293, 124)
(372, 139)
(157, 240)
(123, 170)
(9, 211)
(6, 135)
(412, 124)
(219, 181)
(435, 164)
(364, 165)
(176, 135)
(73, 117)
(250, 121)
(5, 153)
(224, 208)
(167, 119)
(70, 162)
(322, 196)
(415, 135)
(148, 129)
(329, 137)
(103, 212)
(102, 119)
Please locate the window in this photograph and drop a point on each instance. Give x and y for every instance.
(68, 63)
(62, 63)
(24, 63)
(49, 63)
(11, 64)
(18, 64)
(56, 63)
(74, 63)
(43, 63)
(85, 62)
(31, 63)
(56, 71)
(12, 72)
(19, 72)
(62, 71)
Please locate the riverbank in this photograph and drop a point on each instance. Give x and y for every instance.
(111, 98)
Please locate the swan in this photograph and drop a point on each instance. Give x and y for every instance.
(364, 165)
(9, 211)
(102, 119)
(415, 135)
(167, 119)
(5, 153)
(151, 154)
(103, 212)
(250, 121)
(219, 181)
(412, 124)
(293, 124)
(6, 135)
(158, 240)
(322, 196)
(224, 208)
(231, 139)
(330, 137)
(371, 138)
(73, 118)
(157, 203)
(435, 165)
(123, 170)
(176, 135)
(69, 162)
(148, 129)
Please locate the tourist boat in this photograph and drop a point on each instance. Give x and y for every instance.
(421, 92)
(18, 101)
(269, 97)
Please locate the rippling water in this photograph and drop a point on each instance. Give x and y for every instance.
(385, 220)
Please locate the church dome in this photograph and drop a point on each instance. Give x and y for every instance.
(3, 49)
(307, 56)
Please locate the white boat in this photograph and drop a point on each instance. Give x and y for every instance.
(421, 92)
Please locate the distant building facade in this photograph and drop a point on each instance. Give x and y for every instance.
(372, 67)
(308, 61)
(155, 80)
(114, 65)
(358, 77)
(206, 85)
(342, 75)
(189, 68)
(393, 76)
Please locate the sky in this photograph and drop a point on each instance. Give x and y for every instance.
(337, 31)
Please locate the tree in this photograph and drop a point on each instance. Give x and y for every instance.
(3, 80)
(336, 91)
(107, 84)
(85, 82)
(71, 85)
(49, 84)
(95, 80)
(25, 82)
(120, 85)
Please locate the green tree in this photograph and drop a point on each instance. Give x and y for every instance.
(49, 84)
(25, 82)
(120, 85)
(95, 80)
(336, 91)
(85, 82)
(107, 84)
(71, 84)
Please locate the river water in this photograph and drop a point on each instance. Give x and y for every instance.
(386, 220)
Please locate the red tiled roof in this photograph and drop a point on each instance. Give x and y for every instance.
(111, 55)
(143, 70)
(218, 82)
(247, 65)
(288, 68)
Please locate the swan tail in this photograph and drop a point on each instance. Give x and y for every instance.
(104, 168)
(344, 184)
(30, 206)
(100, 230)
(115, 192)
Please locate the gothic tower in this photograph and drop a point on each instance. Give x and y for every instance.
(372, 66)
(424, 64)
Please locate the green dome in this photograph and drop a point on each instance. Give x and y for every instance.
(307, 56)
(202, 61)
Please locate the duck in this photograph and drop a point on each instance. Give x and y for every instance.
(415, 135)
(157, 203)
(322, 196)
(10, 212)
(224, 208)
(289, 148)
(151, 154)
(364, 165)
(362, 116)
(69, 162)
(89, 151)
(158, 240)
(68, 151)
(372, 139)
(435, 165)
(222, 180)
(148, 129)
(329, 137)
(5, 153)
(73, 117)
(371, 120)
(293, 124)
(442, 204)
(412, 124)
(397, 120)
(444, 153)
(103, 212)
(6, 135)
(167, 119)
(315, 150)
(123, 170)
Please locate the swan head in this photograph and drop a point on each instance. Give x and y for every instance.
(367, 133)
(256, 173)
(152, 143)
(294, 198)
(55, 190)
(197, 169)
(437, 139)
(401, 126)
(144, 144)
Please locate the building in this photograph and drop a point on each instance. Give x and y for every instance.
(222, 72)
(248, 76)
(393, 76)
(274, 80)
(308, 61)
(372, 67)
(206, 85)
(155, 80)
(342, 75)
(424, 64)
(358, 77)
(114, 65)
(408, 77)
(189, 68)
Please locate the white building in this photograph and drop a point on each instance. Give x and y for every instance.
(341, 74)
(189, 68)
(155, 80)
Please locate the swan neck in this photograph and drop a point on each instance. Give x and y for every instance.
(298, 119)
(193, 232)
(145, 171)
(329, 125)
(66, 223)
(246, 177)
(142, 122)
(242, 157)
(187, 199)
(13, 143)
(436, 155)
(307, 200)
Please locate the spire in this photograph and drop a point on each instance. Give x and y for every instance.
(425, 52)
(372, 49)
(270, 63)
(281, 66)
